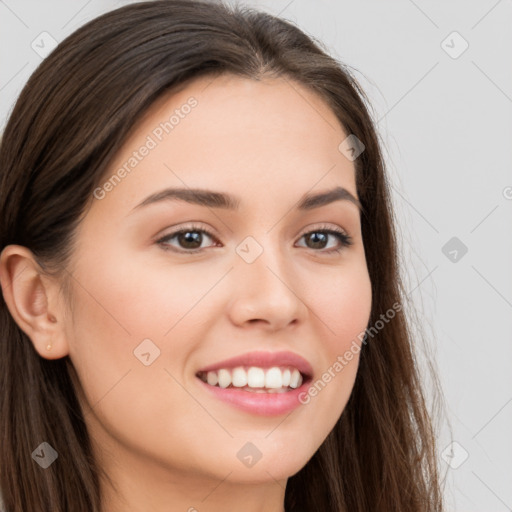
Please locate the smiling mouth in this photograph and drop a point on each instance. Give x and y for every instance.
(277, 379)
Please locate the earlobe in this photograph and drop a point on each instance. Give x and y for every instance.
(31, 298)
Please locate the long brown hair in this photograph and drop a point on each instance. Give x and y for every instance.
(68, 123)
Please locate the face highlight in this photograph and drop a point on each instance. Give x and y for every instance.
(216, 242)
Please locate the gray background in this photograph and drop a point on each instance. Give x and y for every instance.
(445, 119)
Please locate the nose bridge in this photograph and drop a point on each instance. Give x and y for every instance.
(268, 272)
(264, 280)
(262, 259)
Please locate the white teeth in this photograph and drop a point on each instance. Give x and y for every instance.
(273, 378)
(224, 378)
(212, 378)
(295, 379)
(239, 378)
(264, 390)
(255, 379)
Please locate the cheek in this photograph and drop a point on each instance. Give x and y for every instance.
(127, 308)
(132, 300)
(344, 306)
(343, 311)
(115, 311)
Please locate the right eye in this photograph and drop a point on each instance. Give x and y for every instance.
(344, 239)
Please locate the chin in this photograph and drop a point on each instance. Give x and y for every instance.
(271, 467)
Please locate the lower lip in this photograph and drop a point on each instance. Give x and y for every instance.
(264, 404)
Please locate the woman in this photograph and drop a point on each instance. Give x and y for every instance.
(201, 304)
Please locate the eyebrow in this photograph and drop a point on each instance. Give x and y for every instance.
(213, 199)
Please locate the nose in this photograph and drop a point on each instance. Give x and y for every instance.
(263, 292)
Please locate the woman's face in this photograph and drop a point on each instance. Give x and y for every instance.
(152, 309)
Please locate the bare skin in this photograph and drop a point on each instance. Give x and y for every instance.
(167, 444)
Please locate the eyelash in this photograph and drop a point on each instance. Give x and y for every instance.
(344, 239)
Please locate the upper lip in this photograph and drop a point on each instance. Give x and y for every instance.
(264, 360)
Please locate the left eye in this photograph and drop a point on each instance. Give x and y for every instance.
(189, 239)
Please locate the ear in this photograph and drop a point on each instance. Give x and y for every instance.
(33, 301)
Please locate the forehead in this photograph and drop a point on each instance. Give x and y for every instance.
(271, 136)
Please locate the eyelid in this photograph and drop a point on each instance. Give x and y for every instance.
(346, 239)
